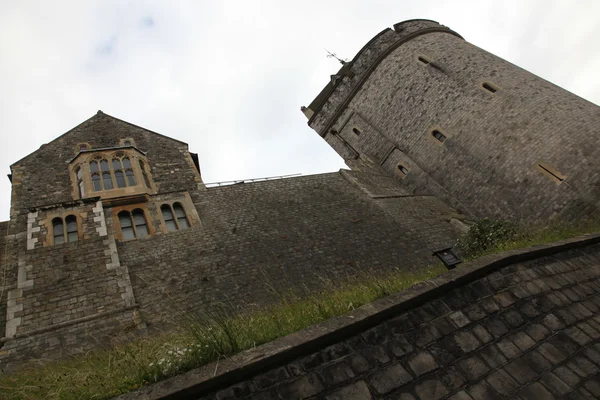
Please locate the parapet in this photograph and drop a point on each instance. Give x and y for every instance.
(334, 98)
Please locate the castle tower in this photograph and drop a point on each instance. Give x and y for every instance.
(447, 118)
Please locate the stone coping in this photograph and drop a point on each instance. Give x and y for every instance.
(248, 363)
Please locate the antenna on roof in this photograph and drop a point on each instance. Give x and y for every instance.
(333, 55)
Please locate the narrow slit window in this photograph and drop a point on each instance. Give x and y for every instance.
(489, 87)
(126, 225)
(71, 221)
(438, 135)
(58, 231)
(551, 172)
(168, 217)
(141, 228)
(180, 215)
(356, 131)
(423, 60)
(402, 169)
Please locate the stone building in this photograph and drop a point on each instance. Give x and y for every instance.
(447, 118)
(112, 233)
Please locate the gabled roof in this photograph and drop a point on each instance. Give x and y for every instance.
(95, 116)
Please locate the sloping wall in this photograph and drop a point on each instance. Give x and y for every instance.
(489, 330)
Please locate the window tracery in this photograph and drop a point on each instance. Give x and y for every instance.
(110, 173)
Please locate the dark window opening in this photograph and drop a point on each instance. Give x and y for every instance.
(423, 60)
(58, 231)
(127, 143)
(439, 135)
(82, 147)
(402, 169)
(71, 221)
(168, 217)
(126, 225)
(139, 220)
(489, 87)
(80, 182)
(180, 215)
(356, 131)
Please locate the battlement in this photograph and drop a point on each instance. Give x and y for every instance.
(336, 95)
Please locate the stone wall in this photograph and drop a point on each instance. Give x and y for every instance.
(491, 329)
(257, 239)
(488, 164)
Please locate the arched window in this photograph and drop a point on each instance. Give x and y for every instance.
(106, 177)
(71, 221)
(175, 218)
(128, 172)
(119, 176)
(402, 169)
(133, 224)
(127, 143)
(96, 179)
(66, 229)
(168, 217)
(180, 215)
(58, 231)
(80, 185)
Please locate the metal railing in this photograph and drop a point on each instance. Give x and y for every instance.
(270, 178)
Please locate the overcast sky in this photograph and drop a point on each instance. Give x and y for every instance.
(229, 77)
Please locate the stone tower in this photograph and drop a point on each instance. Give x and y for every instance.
(447, 118)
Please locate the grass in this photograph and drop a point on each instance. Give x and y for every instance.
(495, 237)
(219, 333)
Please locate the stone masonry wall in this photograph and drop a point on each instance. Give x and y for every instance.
(283, 234)
(529, 330)
(487, 164)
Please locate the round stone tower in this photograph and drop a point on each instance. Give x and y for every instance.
(450, 119)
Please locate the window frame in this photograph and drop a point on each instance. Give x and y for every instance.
(170, 206)
(129, 213)
(64, 220)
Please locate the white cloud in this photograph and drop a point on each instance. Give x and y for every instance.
(229, 77)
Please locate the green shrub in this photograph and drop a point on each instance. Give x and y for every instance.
(486, 235)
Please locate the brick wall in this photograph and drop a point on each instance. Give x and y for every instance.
(528, 330)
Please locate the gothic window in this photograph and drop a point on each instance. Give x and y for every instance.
(133, 224)
(80, 185)
(174, 216)
(64, 229)
(119, 176)
(106, 176)
(102, 171)
(128, 172)
(127, 143)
